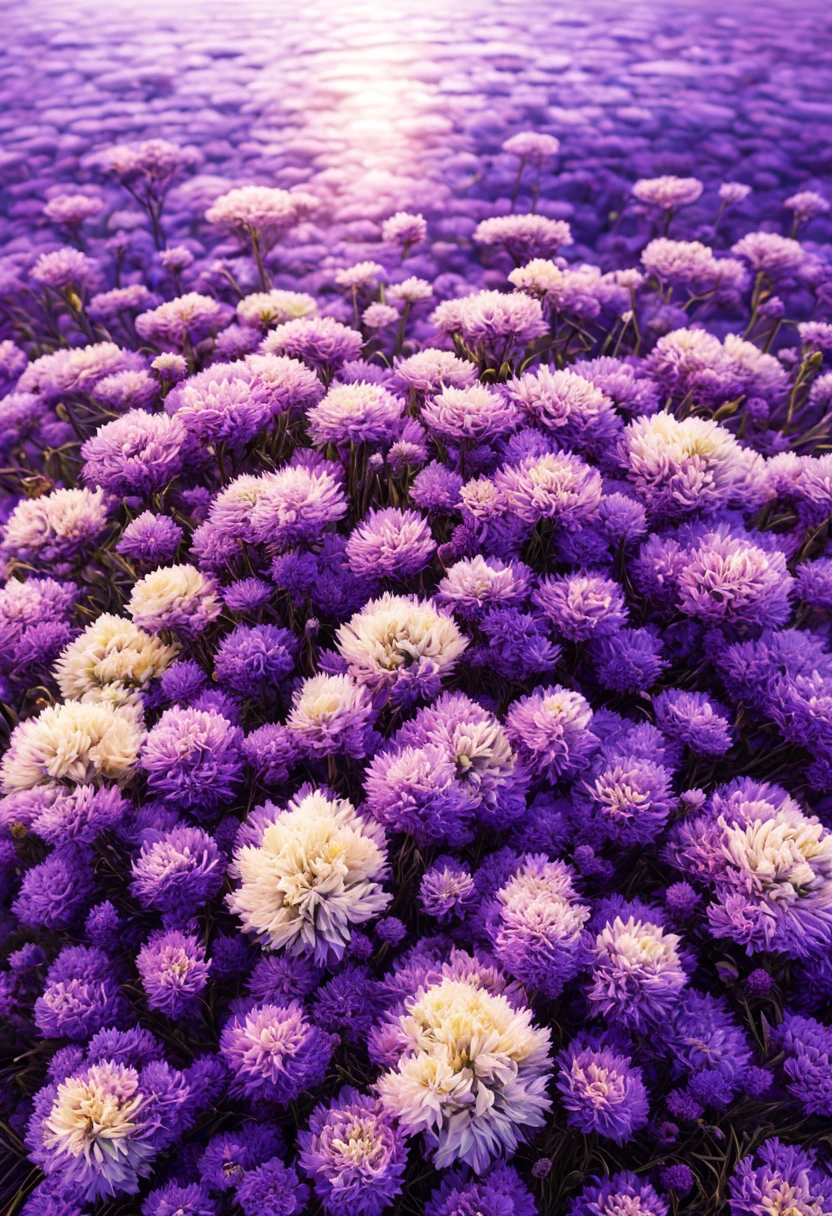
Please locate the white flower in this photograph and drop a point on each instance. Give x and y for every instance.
(95, 1134)
(398, 638)
(111, 661)
(311, 877)
(264, 309)
(472, 1073)
(73, 742)
(179, 598)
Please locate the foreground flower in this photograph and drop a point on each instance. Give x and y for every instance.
(275, 1053)
(175, 598)
(73, 742)
(602, 1092)
(314, 872)
(471, 1075)
(112, 660)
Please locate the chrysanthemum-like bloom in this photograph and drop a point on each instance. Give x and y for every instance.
(769, 253)
(401, 644)
(602, 1092)
(429, 370)
(679, 469)
(34, 622)
(173, 971)
(76, 370)
(557, 486)
(265, 309)
(81, 995)
(535, 924)
(262, 210)
(701, 1036)
(295, 505)
(582, 605)
(180, 322)
(175, 598)
(404, 229)
(193, 759)
(532, 146)
(331, 714)
(667, 192)
(224, 404)
(354, 1154)
(780, 1178)
(550, 730)
(150, 539)
(637, 976)
(631, 798)
(73, 209)
(177, 872)
(807, 1045)
(272, 1189)
(55, 530)
(770, 866)
(471, 1074)
(321, 342)
(475, 584)
(253, 660)
(73, 742)
(492, 321)
(469, 415)
(691, 264)
(79, 813)
(354, 413)
(107, 305)
(363, 275)
(728, 580)
(694, 719)
(447, 889)
(524, 236)
(314, 872)
(97, 1135)
(128, 390)
(112, 660)
(619, 1195)
(390, 543)
(274, 1052)
(563, 402)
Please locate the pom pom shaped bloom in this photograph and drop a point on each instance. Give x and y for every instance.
(631, 798)
(150, 539)
(80, 813)
(556, 486)
(55, 530)
(175, 598)
(628, 661)
(80, 996)
(616, 1195)
(173, 971)
(222, 405)
(550, 730)
(274, 1053)
(193, 759)
(582, 606)
(136, 454)
(701, 1036)
(469, 415)
(447, 889)
(475, 584)
(471, 1074)
(565, 403)
(492, 322)
(770, 866)
(780, 1175)
(769, 253)
(265, 309)
(354, 1154)
(314, 872)
(602, 1092)
(354, 413)
(55, 893)
(400, 644)
(694, 719)
(536, 923)
(428, 371)
(73, 742)
(524, 236)
(807, 1045)
(112, 661)
(295, 505)
(260, 210)
(667, 192)
(253, 660)
(321, 342)
(727, 580)
(332, 714)
(637, 975)
(272, 1189)
(500, 1191)
(177, 872)
(390, 544)
(182, 322)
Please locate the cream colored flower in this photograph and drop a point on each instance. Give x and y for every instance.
(73, 742)
(112, 660)
(178, 598)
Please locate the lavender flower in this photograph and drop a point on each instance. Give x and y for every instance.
(549, 728)
(390, 544)
(193, 759)
(602, 1092)
(177, 872)
(622, 1192)
(274, 1053)
(694, 719)
(173, 972)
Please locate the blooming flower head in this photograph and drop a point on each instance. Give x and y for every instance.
(404, 230)
(471, 1074)
(332, 714)
(112, 660)
(73, 742)
(524, 236)
(401, 644)
(533, 146)
(495, 323)
(769, 253)
(253, 660)
(390, 543)
(428, 371)
(150, 539)
(354, 413)
(177, 872)
(619, 1194)
(631, 798)
(727, 580)
(667, 192)
(462, 415)
(183, 321)
(321, 342)
(557, 486)
(175, 598)
(55, 530)
(602, 1092)
(780, 1176)
(173, 971)
(272, 1189)
(693, 718)
(354, 1154)
(473, 585)
(76, 370)
(295, 504)
(265, 309)
(582, 606)
(263, 210)
(447, 889)
(192, 759)
(65, 269)
(274, 1052)
(73, 209)
(314, 873)
(550, 730)
(637, 976)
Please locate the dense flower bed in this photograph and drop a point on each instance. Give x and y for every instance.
(419, 703)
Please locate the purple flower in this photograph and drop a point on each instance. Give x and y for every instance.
(274, 1053)
(628, 661)
(229, 1156)
(177, 872)
(616, 1195)
(550, 730)
(354, 1154)
(348, 1004)
(807, 1045)
(447, 889)
(137, 454)
(272, 1189)
(81, 995)
(779, 1174)
(630, 798)
(173, 972)
(253, 660)
(55, 893)
(295, 505)
(556, 486)
(175, 1199)
(694, 719)
(498, 1192)
(271, 751)
(321, 342)
(637, 975)
(150, 540)
(678, 1177)
(390, 544)
(193, 759)
(602, 1092)
(582, 606)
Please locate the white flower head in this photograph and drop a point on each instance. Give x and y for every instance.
(112, 660)
(73, 742)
